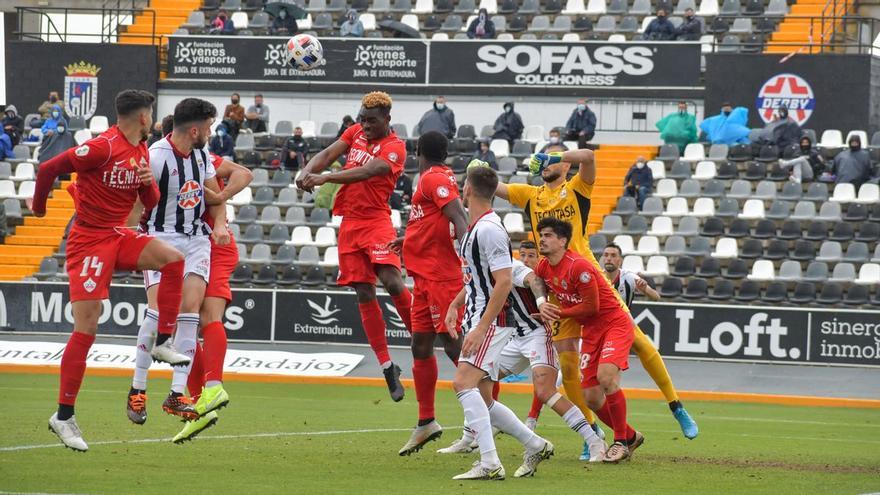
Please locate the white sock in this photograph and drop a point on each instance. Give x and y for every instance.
(575, 420)
(505, 420)
(467, 433)
(477, 416)
(185, 342)
(145, 342)
(386, 365)
(211, 383)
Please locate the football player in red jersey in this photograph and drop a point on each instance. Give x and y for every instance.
(606, 329)
(112, 173)
(430, 258)
(374, 161)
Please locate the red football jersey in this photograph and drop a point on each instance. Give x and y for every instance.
(566, 281)
(107, 182)
(216, 161)
(428, 250)
(367, 200)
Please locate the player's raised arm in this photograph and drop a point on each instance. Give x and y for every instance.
(321, 161)
(649, 292)
(587, 160)
(237, 178)
(456, 214)
(372, 168)
(49, 171)
(218, 213)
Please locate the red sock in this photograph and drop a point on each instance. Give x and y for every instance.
(615, 409)
(196, 379)
(425, 377)
(374, 327)
(215, 350)
(403, 304)
(496, 389)
(73, 366)
(170, 293)
(535, 411)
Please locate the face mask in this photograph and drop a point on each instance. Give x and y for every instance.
(508, 109)
(282, 14)
(53, 99)
(805, 147)
(482, 18)
(726, 113)
(682, 112)
(581, 108)
(783, 113)
(221, 132)
(440, 106)
(297, 138)
(690, 17)
(554, 140)
(60, 128)
(640, 164)
(55, 115)
(661, 17)
(235, 102)
(855, 146)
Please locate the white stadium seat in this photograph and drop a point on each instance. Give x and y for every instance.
(661, 227)
(762, 271)
(658, 266)
(633, 264)
(753, 210)
(725, 248)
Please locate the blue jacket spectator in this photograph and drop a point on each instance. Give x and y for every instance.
(352, 27)
(581, 125)
(728, 127)
(660, 29)
(852, 166)
(440, 118)
(6, 150)
(691, 28)
(481, 28)
(639, 182)
(221, 144)
(13, 124)
(222, 24)
(55, 120)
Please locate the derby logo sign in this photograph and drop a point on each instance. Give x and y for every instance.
(81, 89)
(786, 90)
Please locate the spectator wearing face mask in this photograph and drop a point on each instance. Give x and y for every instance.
(352, 27)
(639, 182)
(46, 108)
(852, 166)
(257, 115)
(808, 164)
(347, 122)
(284, 23)
(782, 131)
(679, 128)
(221, 144)
(581, 125)
(13, 124)
(660, 28)
(222, 24)
(481, 28)
(692, 27)
(554, 140)
(233, 115)
(439, 118)
(485, 154)
(55, 123)
(508, 126)
(296, 150)
(728, 127)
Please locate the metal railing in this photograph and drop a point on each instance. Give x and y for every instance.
(850, 34)
(636, 114)
(59, 23)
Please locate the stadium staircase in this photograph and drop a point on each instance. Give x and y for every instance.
(169, 15)
(808, 25)
(37, 238)
(613, 162)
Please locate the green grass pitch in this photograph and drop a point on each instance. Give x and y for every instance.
(283, 438)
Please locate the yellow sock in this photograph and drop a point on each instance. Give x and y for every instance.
(571, 382)
(653, 364)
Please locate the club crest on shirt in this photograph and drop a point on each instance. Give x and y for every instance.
(564, 284)
(376, 149)
(82, 150)
(391, 156)
(563, 193)
(585, 277)
(190, 195)
(89, 285)
(441, 191)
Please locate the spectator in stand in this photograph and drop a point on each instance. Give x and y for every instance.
(440, 118)
(6, 146)
(326, 194)
(782, 131)
(55, 122)
(728, 127)
(221, 144)
(554, 140)
(807, 165)
(679, 128)
(485, 154)
(509, 125)
(155, 133)
(481, 28)
(691, 29)
(257, 115)
(852, 166)
(402, 194)
(284, 23)
(660, 28)
(296, 150)
(581, 126)
(222, 24)
(352, 27)
(639, 182)
(13, 124)
(46, 108)
(233, 115)
(347, 122)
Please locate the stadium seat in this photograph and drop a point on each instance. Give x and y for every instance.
(657, 266)
(751, 249)
(308, 256)
(271, 215)
(626, 205)
(597, 243)
(634, 264)
(790, 230)
(856, 212)
(831, 293)
(699, 247)
(671, 288)
(856, 295)
(842, 232)
(576, 7)
(705, 170)
(712, 227)
(690, 188)
(775, 292)
(829, 212)
(514, 224)
(709, 268)
(658, 169)
(606, 24)
(23, 171)
(648, 246)
(443, 6)
(48, 268)
(636, 225)
(425, 7)
(694, 152)
(264, 196)
(661, 226)
(561, 24)
(740, 189)
(750, 290)
(611, 225)
(753, 210)
(722, 290)
(869, 274)
(680, 170)
(868, 232)
(776, 249)
(668, 152)
(844, 193)
(465, 7)
(765, 190)
(830, 252)
(843, 273)
(727, 208)
(688, 227)
(804, 210)
(804, 250)
(857, 252)
(676, 207)
(652, 207)
(696, 289)
(756, 171)
(791, 191)
(831, 138)
(789, 271)
(98, 124)
(674, 246)
(764, 229)
(12, 208)
(500, 147)
(736, 270)
(703, 207)
(625, 242)
(596, 7)
(725, 248)
(242, 274)
(868, 194)
(779, 210)
(738, 228)
(666, 188)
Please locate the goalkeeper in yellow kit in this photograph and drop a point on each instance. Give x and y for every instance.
(569, 199)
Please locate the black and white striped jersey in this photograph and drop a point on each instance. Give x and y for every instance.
(522, 302)
(181, 180)
(484, 249)
(625, 284)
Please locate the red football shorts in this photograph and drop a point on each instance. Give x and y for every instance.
(612, 347)
(362, 244)
(93, 254)
(223, 262)
(431, 300)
